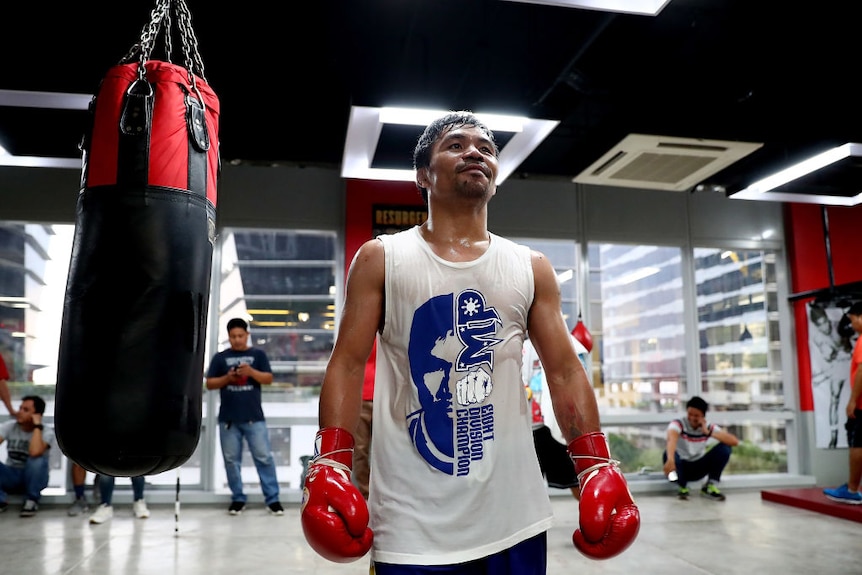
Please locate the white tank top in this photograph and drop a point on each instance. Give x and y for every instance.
(454, 474)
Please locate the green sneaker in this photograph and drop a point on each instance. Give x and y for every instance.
(683, 493)
(710, 491)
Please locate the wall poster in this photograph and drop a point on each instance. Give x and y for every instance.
(830, 373)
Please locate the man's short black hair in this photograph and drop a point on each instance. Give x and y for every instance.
(855, 309)
(38, 402)
(237, 322)
(698, 403)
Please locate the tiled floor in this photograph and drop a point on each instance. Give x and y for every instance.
(742, 535)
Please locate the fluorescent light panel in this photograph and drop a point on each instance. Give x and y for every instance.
(762, 189)
(366, 125)
(53, 100)
(642, 7)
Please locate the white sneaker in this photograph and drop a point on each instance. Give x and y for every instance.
(103, 513)
(140, 509)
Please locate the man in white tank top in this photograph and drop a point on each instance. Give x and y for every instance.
(452, 305)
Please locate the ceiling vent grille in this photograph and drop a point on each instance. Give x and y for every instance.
(662, 162)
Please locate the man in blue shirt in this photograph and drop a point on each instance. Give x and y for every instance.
(238, 372)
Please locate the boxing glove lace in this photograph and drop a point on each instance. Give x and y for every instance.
(334, 513)
(609, 518)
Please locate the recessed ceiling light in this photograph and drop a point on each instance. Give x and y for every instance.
(642, 7)
(366, 124)
(831, 178)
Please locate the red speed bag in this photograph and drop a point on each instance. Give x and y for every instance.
(582, 334)
(130, 367)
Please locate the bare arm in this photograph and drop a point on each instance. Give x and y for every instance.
(220, 381)
(572, 394)
(262, 377)
(725, 437)
(341, 394)
(37, 443)
(6, 397)
(672, 438)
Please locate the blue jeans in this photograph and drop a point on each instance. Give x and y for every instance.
(30, 480)
(106, 488)
(710, 465)
(257, 436)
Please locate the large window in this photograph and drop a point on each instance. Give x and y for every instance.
(564, 255)
(667, 323)
(642, 325)
(283, 283)
(638, 327)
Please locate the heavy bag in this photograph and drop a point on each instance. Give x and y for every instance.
(130, 367)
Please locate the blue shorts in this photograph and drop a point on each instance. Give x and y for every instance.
(529, 557)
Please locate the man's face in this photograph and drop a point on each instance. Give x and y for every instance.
(26, 411)
(823, 324)
(695, 417)
(238, 339)
(856, 322)
(462, 162)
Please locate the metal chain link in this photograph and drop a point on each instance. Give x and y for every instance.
(194, 63)
(142, 51)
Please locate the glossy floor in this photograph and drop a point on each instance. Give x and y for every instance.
(742, 535)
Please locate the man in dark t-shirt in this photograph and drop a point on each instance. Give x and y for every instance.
(238, 372)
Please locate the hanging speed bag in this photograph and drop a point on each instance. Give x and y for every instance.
(130, 366)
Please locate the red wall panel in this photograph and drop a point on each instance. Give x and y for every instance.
(808, 233)
(361, 196)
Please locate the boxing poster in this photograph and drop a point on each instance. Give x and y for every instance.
(830, 373)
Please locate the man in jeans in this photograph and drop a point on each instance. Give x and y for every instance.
(26, 467)
(238, 373)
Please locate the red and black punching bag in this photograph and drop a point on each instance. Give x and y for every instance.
(130, 367)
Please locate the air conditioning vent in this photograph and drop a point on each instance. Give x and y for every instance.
(663, 163)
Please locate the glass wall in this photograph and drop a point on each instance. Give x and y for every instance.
(667, 322)
(283, 283)
(639, 318)
(638, 327)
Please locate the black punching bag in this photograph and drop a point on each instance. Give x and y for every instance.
(130, 368)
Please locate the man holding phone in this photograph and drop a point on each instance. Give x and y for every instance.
(238, 373)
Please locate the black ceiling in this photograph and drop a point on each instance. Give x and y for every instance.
(286, 73)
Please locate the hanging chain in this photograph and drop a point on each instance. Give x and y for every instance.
(143, 50)
(190, 42)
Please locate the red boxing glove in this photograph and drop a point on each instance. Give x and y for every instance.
(334, 513)
(609, 518)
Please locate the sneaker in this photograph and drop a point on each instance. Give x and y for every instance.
(140, 509)
(683, 493)
(3, 506)
(236, 507)
(79, 506)
(275, 508)
(103, 513)
(843, 495)
(30, 508)
(710, 491)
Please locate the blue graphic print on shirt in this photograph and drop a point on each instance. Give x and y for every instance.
(463, 327)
